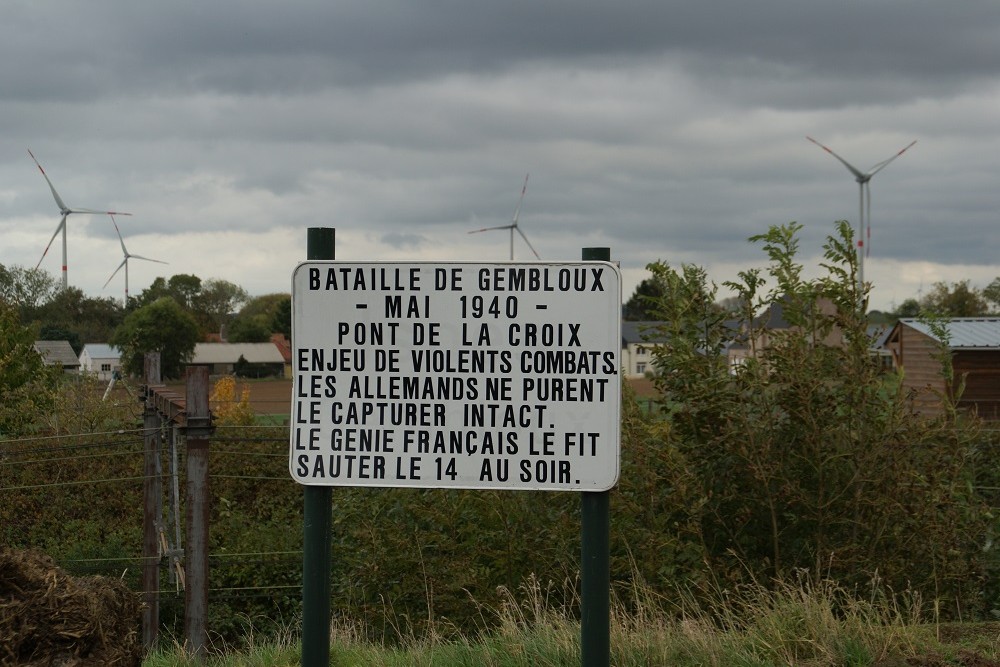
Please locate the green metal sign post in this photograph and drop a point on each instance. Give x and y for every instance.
(595, 559)
(317, 536)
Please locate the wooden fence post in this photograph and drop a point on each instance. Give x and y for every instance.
(151, 493)
(197, 431)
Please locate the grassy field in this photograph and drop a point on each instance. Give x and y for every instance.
(804, 624)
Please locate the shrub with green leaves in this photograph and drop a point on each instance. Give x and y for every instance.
(806, 456)
(27, 385)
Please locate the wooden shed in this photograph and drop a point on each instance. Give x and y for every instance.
(974, 345)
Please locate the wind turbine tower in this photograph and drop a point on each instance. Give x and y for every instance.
(513, 225)
(864, 203)
(65, 211)
(128, 256)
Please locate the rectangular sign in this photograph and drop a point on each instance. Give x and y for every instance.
(456, 375)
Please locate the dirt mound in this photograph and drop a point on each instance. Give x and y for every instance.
(49, 618)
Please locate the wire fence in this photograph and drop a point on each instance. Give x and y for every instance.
(79, 499)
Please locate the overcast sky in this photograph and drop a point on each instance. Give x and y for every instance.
(666, 130)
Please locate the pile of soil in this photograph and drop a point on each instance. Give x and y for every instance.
(49, 618)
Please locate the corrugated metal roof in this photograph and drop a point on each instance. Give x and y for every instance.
(230, 353)
(980, 333)
(101, 351)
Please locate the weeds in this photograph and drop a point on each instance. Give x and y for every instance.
(801, 622)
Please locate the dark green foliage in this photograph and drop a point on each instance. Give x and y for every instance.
(87, 319)
(638, 306)
(249, 330)
(804, 463)
(909, 308)
(282, 321)
(956, 300)
(27, 385)
(25, 288)
(259, 318)
(162, 326)
(49, 332)
(183, 288)
(805, 455)
(218, 300)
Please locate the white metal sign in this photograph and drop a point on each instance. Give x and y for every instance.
(456, 375)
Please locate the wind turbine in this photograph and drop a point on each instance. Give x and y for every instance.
(865, 201)
(65, 210)
(128, 256)
(513, 225)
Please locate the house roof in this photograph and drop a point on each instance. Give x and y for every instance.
(101, 351)
(642, 332)
(965, 333)
(230, 353)
(284, 346)
(57, 353)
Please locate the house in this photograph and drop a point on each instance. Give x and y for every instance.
(58, 353)
(246, 359)
(753, 340)
(100, 359)
(638, 341)
(974, 346)
(285, 348)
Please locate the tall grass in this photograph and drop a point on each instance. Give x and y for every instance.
(818, 624)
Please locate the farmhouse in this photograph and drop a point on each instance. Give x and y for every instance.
(973, 344)
(58, 353)
(244, 359)
(753, 340)
(101, 360)
(638, 341)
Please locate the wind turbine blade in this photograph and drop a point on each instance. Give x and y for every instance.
(117, 231)
(528, 242)
(868, 219)
(885, 163)
(116, 271)
(148, 259)
(92, 211)
(489, 229)
(55, 195)
(62, 223)
(517, 211)
(850, 167)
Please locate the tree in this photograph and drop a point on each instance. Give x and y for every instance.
(643, 299)
(163, 326)
(89, 319)
(909, 308)
(26, 288)
(282, 322)
(992, 294)
(27, 385)
(955, 300)
(256, 322)
(249, 330)
(218, 300)
(183, 288)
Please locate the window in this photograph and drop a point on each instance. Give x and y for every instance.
(105, 368)
(640, 351)
(640, 367)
